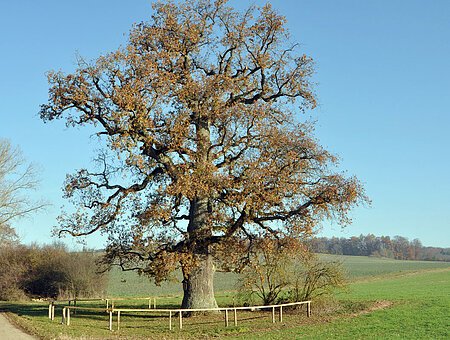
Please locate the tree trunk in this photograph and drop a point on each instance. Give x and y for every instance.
(198, 285)
(198, 282)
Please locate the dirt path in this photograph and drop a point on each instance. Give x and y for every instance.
(376, 306)
(10, 332)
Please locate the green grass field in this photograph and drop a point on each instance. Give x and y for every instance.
(387, 299)
(420, 310)
(123, 284)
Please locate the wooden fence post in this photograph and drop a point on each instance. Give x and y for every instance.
(110, 320)
(235, 317)
(63, 320)
(170, 320)
(50, 310)
(273, 314)
(181, 320)
(53, 312)
(281, 313)
(118, 320)
(154, 305)
(68, 316)
(226, 317)
(308, 309)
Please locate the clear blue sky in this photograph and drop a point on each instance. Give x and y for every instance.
(383, 82)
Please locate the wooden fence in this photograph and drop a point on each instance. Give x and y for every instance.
(174, 312)
(111, 301)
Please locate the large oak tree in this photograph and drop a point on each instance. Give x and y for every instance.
(203, 150)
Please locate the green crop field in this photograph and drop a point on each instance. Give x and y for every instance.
(386, 299)
(123, 284)
(420, 309)
(365, 267)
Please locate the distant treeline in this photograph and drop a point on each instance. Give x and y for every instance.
(397, 247)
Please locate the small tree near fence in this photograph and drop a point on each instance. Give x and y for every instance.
(282, 270)
(313, 278)
(267, 273)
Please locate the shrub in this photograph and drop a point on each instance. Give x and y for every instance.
(266, 277)
(13, 271)
(313, 278)
(81, 277)
(284, 271)
(268, 273)
(48, 272)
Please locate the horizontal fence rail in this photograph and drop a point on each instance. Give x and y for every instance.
(110, 301)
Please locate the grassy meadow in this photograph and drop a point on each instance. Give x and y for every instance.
(386, 299)
(128, 284)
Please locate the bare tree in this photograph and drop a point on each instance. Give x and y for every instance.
(203, 148)
(284, 270)
(269, 272)
(17, 179)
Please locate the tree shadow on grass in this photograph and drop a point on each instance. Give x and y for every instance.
(24, 308)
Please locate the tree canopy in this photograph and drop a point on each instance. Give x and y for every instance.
(203, 148)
